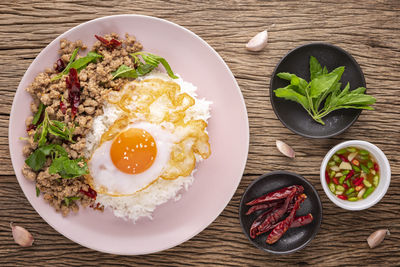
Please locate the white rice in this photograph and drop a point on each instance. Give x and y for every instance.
(143, 203)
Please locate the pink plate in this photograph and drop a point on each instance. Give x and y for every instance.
(217, 177)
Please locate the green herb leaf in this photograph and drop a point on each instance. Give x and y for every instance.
(315, 68)
(38, 114)
(68, 200)
(290, 94)
(300, 84)
(37, 192)
(38, 157)
(68, 168)
(124, 72)
(82, 62)
(68, 67)
(155, 60)
(321, 84)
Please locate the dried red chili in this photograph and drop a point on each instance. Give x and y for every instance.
(263, 206)
(257, 222)
(284, 225)
(30, 127)
(60, 65)
(63, 107)
(90, 193)
(113, 43)
(302, 220)
(74, 91)
(279, 194)
(274, 217)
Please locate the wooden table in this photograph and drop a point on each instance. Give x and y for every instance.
(369, 30)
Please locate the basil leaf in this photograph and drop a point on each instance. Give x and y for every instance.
(36, 160)
(82, 62)
(38, 114)
(68, 168)
(143, 69)
(68, 67)
(290, 94)
(321, 84)
(315, 68)
(294, 80)
(155, 60)
(37, 192)
(68, 200)
(38, 157)
(43, 134)
(124, 72)
(59, 129)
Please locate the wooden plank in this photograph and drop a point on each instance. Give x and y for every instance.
(368, 30)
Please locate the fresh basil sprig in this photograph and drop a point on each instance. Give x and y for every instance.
(149, 63)
(54, 127)
(78, 64)
(38, 157)
(68, 168)
(68, 200)
(324, 86)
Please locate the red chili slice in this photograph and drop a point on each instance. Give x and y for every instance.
(90, 193)
(113, 43)
(74, 91)
(327, 178)
(342, 197)
(376, 167)
(63, 107)
(349, 175)
(60, 65)
(30, 127)
(343, 158)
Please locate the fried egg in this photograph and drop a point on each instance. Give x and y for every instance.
(132, 160)
(151, 139)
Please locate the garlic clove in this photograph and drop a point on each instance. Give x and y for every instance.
(21, 236)
(285, 149)
(258, 42)
(377, 237)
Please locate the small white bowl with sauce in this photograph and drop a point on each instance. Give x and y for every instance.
(384, 174)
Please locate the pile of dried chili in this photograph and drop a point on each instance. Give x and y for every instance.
(273, 207)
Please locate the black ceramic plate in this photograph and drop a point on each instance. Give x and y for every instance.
(295, 238)
(291, 114)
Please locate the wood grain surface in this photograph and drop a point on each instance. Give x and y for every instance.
(369, 30)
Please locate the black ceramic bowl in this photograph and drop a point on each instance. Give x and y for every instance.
(295, 238)
(292, 114)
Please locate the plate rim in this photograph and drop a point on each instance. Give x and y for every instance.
(272, 173)
(271, 94)
(246, 129)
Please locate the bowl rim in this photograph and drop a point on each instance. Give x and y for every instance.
(280, 172)
(384, 181)
(271, 94)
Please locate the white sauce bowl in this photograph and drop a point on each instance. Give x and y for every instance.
(384, 176)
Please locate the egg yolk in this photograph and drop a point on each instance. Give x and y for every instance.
(133, 151)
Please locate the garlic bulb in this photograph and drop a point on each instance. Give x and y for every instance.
(258, 42)
(21, 236)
